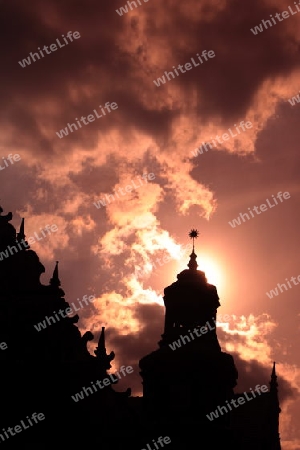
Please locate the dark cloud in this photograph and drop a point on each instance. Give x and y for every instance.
(154, 129)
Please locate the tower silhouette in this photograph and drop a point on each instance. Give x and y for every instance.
(189, 376)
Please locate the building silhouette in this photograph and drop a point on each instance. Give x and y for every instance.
(186, 378)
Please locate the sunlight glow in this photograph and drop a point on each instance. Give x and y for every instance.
(212, 270)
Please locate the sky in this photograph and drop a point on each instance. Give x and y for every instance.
(147, 139)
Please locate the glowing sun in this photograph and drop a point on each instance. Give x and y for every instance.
(211, 269)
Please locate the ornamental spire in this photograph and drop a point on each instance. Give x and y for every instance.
(192, 265)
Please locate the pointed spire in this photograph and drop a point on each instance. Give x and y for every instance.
(274, 411)
(273, 382)
(101, 350)
(21, 234)
(55, 281)
(192, 265)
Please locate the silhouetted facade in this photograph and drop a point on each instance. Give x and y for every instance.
(41, 370)
(184, 380)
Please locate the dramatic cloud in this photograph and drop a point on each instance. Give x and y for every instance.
(112, 251)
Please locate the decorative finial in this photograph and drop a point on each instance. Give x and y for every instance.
(193, 234)
(192, 265)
